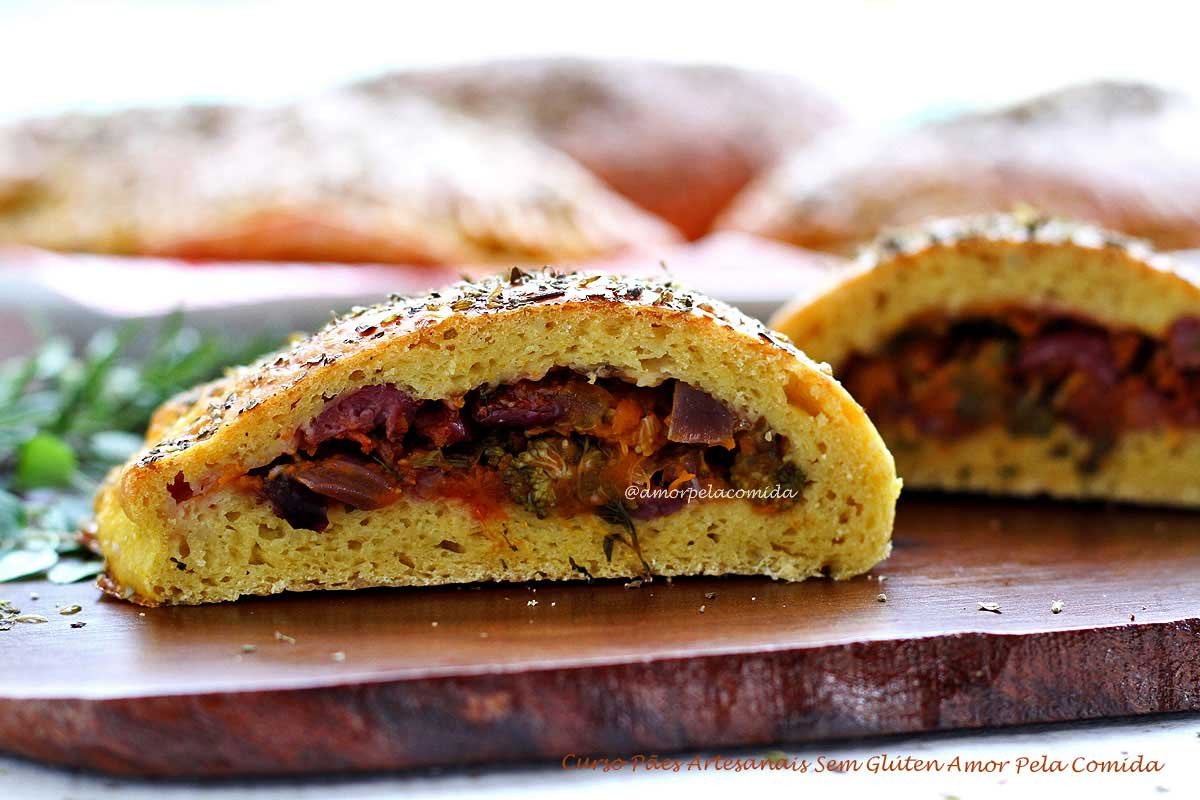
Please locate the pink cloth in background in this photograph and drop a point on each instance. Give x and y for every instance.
(732, 267)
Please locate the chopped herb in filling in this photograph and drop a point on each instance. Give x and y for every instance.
(1029, 371)
(561, 445)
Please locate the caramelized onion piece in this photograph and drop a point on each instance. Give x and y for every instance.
(699, 418)
(295, 503)
(565, 400)
(527, 404)
(356, 483)
(360, 412)
(1057, 355)
(442, 425)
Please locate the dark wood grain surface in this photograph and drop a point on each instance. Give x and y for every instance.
(406, 678)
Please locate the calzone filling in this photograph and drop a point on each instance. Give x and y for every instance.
(558, 446)
(1029, 371)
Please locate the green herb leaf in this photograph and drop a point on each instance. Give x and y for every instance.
(45, 460)
(12, 518)
(68, 416)
(22, 563)
(71, 570)
(615, 513)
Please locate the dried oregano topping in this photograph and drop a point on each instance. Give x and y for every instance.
(1021, 226)
(401, 315)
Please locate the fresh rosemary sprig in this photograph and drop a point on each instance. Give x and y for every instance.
(68, 416)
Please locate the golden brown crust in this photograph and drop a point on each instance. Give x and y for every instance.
(679, 140)
(332, 179)
(1117, 155)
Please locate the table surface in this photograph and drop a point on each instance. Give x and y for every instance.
(696, 663)
(1172, 740)
(1112, 566)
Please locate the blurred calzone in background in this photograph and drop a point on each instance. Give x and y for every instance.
(334, 178)
(679, 140)
(1121, 155)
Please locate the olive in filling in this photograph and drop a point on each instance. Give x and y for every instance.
(1027, 370)
(561, 445)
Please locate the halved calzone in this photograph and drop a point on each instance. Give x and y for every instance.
(535, 427)
(1020, 356)
(331, 179)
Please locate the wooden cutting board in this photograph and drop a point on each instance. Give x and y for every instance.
(407, 678)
